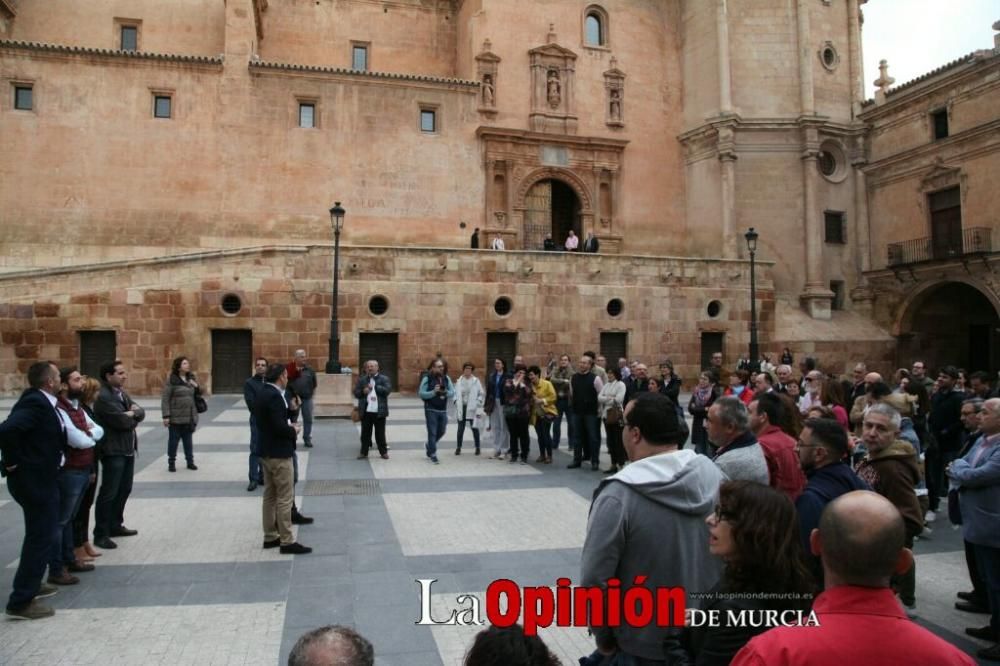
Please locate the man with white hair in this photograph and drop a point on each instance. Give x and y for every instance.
(372, 393)
(739, 455)
(784, 373)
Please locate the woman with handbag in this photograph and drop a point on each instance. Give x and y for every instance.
(611, 400)
(544, 413)
(518, 402)
(469, 399)
(180, 413)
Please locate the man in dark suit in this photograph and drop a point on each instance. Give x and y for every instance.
(276, 440)
(31, 441)
(119, 415)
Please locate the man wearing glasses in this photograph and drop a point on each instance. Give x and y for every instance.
(648, 520)
(919, 375)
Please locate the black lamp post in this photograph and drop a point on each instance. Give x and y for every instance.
(751, 237)
(337, 221)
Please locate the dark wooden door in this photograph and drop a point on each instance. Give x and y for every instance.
(96, 349)
(710, 343)
(384, 348)
(614, 345)
(946, 223)
(500, 345)
(232, 360)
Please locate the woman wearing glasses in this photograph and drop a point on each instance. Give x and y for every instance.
(755, 531)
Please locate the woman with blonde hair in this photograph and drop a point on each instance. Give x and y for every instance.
(82, 548)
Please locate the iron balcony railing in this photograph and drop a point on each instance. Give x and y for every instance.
(974, 240)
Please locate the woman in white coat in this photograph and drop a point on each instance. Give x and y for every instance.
(611, 401)
(469, 400)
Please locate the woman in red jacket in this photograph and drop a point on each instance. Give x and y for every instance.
(739, 386)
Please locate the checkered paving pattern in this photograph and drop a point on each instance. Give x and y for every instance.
(195, 586)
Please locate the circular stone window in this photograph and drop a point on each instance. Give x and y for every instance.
(231, 304)
(378, 305)
(714, 308)
(829, 57)
(832, 162)
(615, 307)
(502, 306)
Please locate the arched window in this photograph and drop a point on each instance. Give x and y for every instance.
(595, 26)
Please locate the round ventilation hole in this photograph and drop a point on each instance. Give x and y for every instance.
(502, 306)
(714, 308)
(231, 304)
(615, 307)
(378, 305)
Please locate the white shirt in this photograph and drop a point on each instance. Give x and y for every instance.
(75, 437)
(498, 244)
(372, 407)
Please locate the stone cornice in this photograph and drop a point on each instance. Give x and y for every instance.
(143, 56)
(916, 160)
(822, 123)
(529, 137)
(264, 65)
(7, 8)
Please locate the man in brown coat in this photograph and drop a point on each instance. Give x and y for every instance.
(892, 469)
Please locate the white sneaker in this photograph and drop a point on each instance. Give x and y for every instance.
(930, 517)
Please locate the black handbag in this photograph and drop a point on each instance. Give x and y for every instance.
(199, 403)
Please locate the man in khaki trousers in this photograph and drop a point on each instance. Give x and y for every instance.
(277, 446)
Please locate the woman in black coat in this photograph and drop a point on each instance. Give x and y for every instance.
(704, 394)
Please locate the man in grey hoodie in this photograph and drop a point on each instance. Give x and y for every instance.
(649, 521)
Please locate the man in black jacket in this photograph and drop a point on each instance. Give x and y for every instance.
(118, 415)
(276, 438)
(945, 423)
(31, 441)
(251, 389)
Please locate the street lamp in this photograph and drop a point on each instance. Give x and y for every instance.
(751, 237)
(337, 221)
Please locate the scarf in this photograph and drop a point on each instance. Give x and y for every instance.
(76, 414)
(701, 395)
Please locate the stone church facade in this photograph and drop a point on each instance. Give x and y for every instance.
(167, 176)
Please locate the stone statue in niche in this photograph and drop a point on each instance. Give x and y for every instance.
(489, 92)
(554, 89)
(616, 104)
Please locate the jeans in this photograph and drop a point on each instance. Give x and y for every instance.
(520, 441)
(562, 407)
(988, 559)
(372, 421)
(462, 424)
(115, 489)
(437, 425)
(81, 521)
(255, 473)
(542, 428)
(38, 495)
(180, 433)
(72, 484)
(586, 438)
(307, 419)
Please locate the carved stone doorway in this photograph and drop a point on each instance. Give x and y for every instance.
(552, 209)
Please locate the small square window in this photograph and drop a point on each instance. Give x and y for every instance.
(428, 120)
(307, 114)
(940, 120)
(24, 98)
(834, 223)
(161, 106)
(130, 38)
(359, 57)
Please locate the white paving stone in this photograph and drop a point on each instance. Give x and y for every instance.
(405, 414)
(239, 633)
(232, 416)
(454, 522)
(567, 643)
(148, 403)
(211, 434)
(212, 466)
(240, 404)
(414, 464)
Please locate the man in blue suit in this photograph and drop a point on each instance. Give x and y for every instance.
(31, 441)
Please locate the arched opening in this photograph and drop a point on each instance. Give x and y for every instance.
(551, 210)
(951, 324)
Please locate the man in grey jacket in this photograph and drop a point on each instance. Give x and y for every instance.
(649, 521)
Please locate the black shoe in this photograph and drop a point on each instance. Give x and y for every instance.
(971, 608)
(574, 464)
(171, 467)
(983, 633)
(123, 532)
(990, 653)
(458, 451)
(971, 597)
(296, 549)
(105, 543)
(79, 567)
(308, 445)
(191, 465)
(299, 519)
(611, 470)
(594, 467)
(252, 486)
(272, 544)
(477, 450)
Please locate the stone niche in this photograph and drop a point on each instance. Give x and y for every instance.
(522, 168)
(553, 99)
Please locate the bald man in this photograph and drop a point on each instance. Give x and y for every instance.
(860, 541)
(862, 402)
(333, 645)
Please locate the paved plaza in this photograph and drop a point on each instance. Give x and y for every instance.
(195, 586)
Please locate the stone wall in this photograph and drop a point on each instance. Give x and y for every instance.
(439, 300)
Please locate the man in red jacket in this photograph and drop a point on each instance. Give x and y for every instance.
(766, 412)
(860, 540)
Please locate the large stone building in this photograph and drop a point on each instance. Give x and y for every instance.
(167, 168)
